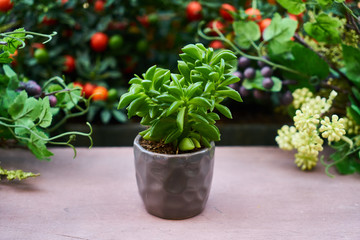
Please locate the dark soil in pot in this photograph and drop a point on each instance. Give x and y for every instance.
(161, 147)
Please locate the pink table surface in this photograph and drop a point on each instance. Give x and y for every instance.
(257, 193)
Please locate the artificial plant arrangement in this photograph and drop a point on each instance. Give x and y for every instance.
(179, 108)
(27, 109)
(311, 53)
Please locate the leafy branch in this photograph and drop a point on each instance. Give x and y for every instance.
(220, 36)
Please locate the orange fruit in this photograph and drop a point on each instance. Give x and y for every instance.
(100, 93)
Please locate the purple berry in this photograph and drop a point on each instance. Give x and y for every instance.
(243, 62)
(243, 91)
(266, 71)
(32, 88)
(286, 98)
(261, 63)
(238, 74)
(234, 86)
(52, 100)
(249, 73)
(260, 95)
(267, 83)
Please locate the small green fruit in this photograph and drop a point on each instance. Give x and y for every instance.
(116, 42)
(41, 55)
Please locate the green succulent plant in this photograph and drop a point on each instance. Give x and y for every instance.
(179, 108)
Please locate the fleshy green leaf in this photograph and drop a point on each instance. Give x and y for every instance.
(223, 110)
(180, 119)
(192, 51)
(173, 107)
(150, 73)
(231, 93)
(126, 98)
(227, 55)
(135, 105)
(209, 131)
(200, 101)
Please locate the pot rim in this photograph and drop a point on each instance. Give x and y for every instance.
(202, 151)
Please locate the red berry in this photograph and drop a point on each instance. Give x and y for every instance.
(69, 64)
(193, 11)
(226, 10)
(263, 24)
(215, 23)
(99, 42)
(254, 14)
(88, 89)
(143, 20)
(216, 44)
(6, 5)
(99, 6)
(48, 21)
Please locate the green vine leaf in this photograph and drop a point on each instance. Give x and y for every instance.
(246, 33)
(37, 145)
(280, 29)
(16, 108)
(45, 116)
(325, 3)
(324, 29)
(293, 6)
(352, 63)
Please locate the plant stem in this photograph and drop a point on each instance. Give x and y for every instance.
(349, 10)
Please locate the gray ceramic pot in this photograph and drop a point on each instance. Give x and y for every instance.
(174, 186)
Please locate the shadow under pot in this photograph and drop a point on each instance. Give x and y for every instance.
(174, 186)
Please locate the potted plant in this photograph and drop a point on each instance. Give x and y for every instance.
(174, 156)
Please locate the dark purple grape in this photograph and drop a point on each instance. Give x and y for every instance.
(243, 91)
(32, 88)
(52, 100)
(249, 73)
(261, 63)
(238, 74)
(286, 98)
(267, 83)
(260, 95)
(244, 62)
(266, 71)
(234, 86)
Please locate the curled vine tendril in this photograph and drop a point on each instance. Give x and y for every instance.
(28, 35)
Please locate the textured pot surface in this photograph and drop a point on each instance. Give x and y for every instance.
(174, 186)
